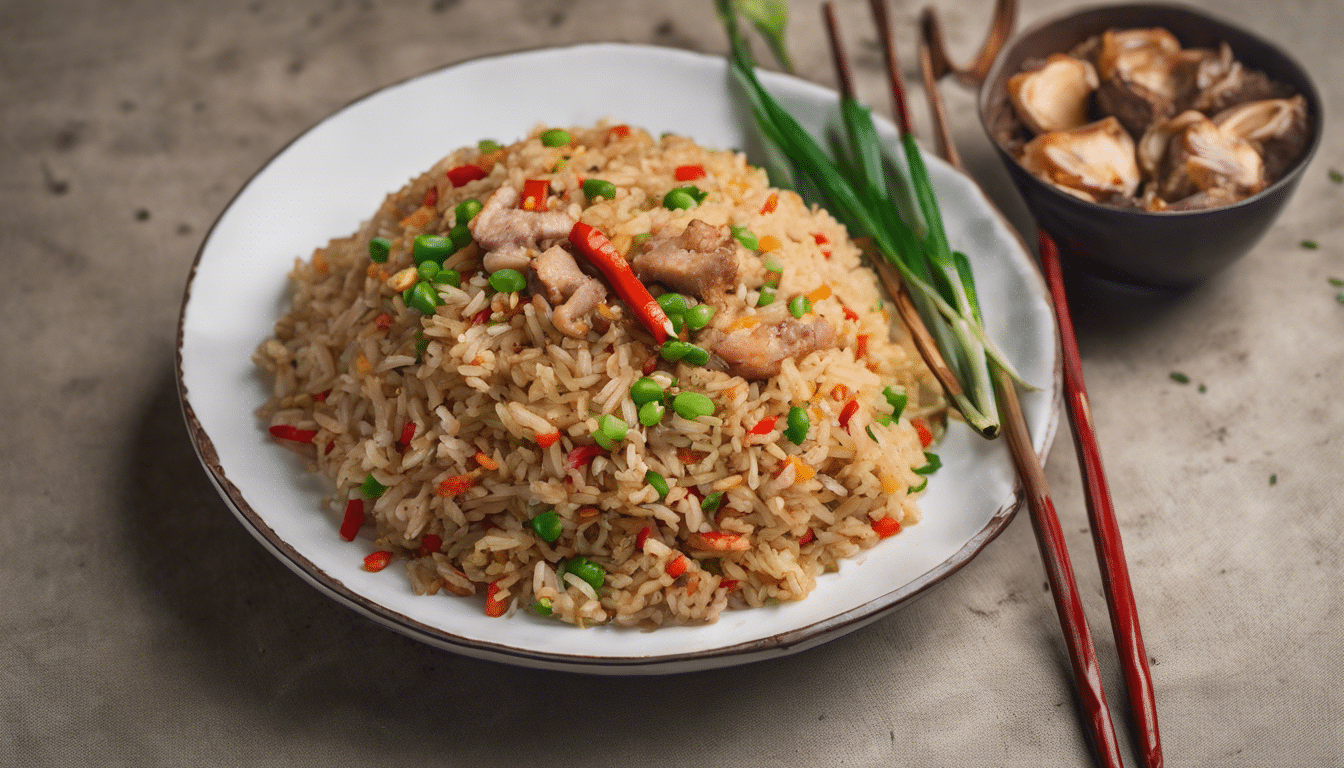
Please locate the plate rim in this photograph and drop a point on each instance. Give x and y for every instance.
(778, 644)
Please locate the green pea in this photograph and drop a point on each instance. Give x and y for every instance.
(556, 137)
(672, 303)
(695, 192)
(745, 237)
(467, 210)
(613, 428)
(428, 269)
(489, 145)
(696, 356)
(673, 350)
(658, 482)
(371, 487)
(772, 265)
(432, 248)
(447, 277)
(678, 323)
(508, 281)
(692, 405)
(698, 317)
(547, 526)
(712, 502)
(678, 200)
(406, 295)
(651, 414)
(645, 390)
(543, 606)
(897, 398)
(595, 188)
(461, 236)
(884, 419)
(589, 571)
(799, 423)
(767, 297)
(933, 464)
(603, 441)
(424, 298)
(640, 239)
(799, 306)
(379, 249)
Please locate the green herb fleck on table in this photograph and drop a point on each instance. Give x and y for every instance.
(1273, 479)
(1203, 389)
(1336, 176)
(1310, 245)
(1337, 282)
(1179, 378)
(1339, 297)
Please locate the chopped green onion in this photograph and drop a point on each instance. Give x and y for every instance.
(673, 303)
(745, 237)
(467, 210)
(897, 398)
(698, 317)
(489, 145)
(1336, 176)
(556, 137)
(869, 430)
(613, 428)
(371, 488)
(428, 269)
(449, 277)
(421, 344)
(547, 526)
(921, 486)
(508, 281)
(595, 188)
(658, 482)
(379, 248)
(799, 306)
(651, 414)
(711, 502)
(767, 297)
(589, 571)
(645, 390)
(692, 405)
(543, 606)
(431, 248)
(798, 423)
(424, 298)
(460, 235)
(934, 463)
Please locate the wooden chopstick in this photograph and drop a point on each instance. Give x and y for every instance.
(1045, 522)
(1105, 529)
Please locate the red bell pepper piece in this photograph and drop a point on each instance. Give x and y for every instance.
(377, 561)
(764, 426)
(677, 566)
(535, 194)
(294, 434)
(465, 174)
(887, 526)
(598, 249)
(689, 172)
(851, 315)
(729, 584)
(583, 455)
(770, 203)
(847, 413)
(925, 436)
(407, 434)
(353, 520)
(642, 537)
(430, 544)
(431, 196)
(806, 538)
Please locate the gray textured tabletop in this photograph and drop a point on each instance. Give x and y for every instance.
(141, 625)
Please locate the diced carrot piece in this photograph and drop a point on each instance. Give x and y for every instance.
(887, 526)
(486, 462)
(455, 486)
(925, 436)
(839, 392)
(745, 321)
(802, 470)
(770, 203)
(548, 439)
(619, 131)
(353, 520)
(822, 291)
(377, 561)
(677, 566)
(494, 608)
(767, 243)
(420, 218)
(861, 345)
(764, 426)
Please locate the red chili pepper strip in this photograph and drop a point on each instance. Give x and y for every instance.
(480, 318)
(407, 433)
(770, 203)
(583, 456)
(861, 345)
(431, 196)
(851, 315)
(820, 238)
(729, 584)
(689, 172)
(353, 520)
(430, 544)
(806, 538)
(598, 249)
(377, 561)
(925, 436)
(321, 397)
(677, 567)
(847, 413)
(294, 434)
(764, 426)
(887, 526)
(383, 321)
(548, 439)
(494, 608)
(465, 174)
(535, 194)
(642, 537)
(455, 486)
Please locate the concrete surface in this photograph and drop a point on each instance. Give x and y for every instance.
(141, 626)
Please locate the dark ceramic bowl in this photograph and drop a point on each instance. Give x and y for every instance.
(1167, 250)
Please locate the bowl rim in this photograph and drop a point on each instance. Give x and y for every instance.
(1315, 114)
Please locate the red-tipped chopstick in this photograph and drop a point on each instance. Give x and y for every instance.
(1105, 529)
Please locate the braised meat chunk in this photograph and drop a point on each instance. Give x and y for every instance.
(507, 234)
(700, 261)
(758, 352)
(572, 293)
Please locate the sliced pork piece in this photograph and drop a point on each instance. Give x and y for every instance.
(572, 293)
(700, 261)
(756, 353)
(502, 226)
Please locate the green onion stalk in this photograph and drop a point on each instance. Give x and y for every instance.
(940, 281)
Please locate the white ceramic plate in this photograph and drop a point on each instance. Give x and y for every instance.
(334, 176)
